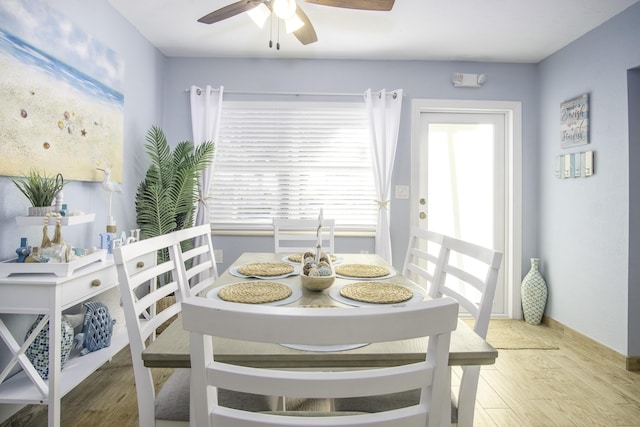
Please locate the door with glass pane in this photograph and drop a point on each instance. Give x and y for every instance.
(462, 180)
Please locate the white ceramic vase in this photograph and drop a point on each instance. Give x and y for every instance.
(533, 294)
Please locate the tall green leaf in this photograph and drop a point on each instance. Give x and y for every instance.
(167, 197)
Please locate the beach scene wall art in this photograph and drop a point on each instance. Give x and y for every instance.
(61, 96)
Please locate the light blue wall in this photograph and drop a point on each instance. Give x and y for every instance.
(143, 106)
(144, 77)
(419, 79)
(584, 223)
(579, 228)
(634, 212)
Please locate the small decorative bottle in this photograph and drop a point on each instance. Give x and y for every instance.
(533, 294)
(24, 250)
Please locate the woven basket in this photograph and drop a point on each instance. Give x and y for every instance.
(317, 283)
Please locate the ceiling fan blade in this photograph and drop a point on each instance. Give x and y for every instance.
(383, 5)
(306, 34)
(230, 10)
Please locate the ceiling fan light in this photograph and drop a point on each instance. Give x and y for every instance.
(284, 9)
(293, 23)
(259, 14)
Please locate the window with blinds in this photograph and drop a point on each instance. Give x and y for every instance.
(288, 160)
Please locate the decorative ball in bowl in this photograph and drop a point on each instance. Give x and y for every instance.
(319, 275)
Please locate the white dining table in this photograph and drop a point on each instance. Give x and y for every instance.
(171, 347)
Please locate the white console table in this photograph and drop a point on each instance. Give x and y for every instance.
(50, 295)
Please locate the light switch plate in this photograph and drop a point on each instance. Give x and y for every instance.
(402, 191)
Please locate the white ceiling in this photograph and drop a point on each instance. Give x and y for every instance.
(467, 30)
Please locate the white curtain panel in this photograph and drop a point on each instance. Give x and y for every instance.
(206, 107)
(384, 110)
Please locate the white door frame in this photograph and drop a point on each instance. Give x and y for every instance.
(512, 260)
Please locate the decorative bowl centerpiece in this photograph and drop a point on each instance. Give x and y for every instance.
(317, 272)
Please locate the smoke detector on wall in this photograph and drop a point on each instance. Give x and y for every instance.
(468, 80)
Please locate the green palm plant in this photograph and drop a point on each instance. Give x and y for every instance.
(167, 197)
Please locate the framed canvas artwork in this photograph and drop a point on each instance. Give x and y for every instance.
(61, 96)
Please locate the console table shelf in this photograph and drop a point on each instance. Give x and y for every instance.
(20, 390)
(50, 295)
(64, 220)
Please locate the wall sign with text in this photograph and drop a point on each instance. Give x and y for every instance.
(574, 121)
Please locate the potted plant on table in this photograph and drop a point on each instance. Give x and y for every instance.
(40, 189)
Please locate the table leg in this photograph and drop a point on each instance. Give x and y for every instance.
(446, 403)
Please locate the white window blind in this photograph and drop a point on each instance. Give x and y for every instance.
(289, 159)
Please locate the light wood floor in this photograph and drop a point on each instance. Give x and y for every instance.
(580, 384)
(577, 385)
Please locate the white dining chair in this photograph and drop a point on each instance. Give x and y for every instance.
(422, 256)
(197, 256)
(143, 285)
(299, 235)
(470, 275)
(205, 318)
(467, 273)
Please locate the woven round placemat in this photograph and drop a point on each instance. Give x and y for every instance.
(255, 292)
(376, 292)
(266, 269)
(362, 270)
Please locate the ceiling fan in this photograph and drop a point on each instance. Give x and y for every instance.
(295, 19)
